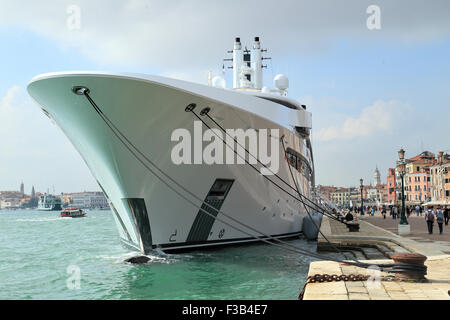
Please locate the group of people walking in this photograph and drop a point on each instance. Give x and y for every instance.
(439, 214)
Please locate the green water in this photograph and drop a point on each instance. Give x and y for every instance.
(38, 247)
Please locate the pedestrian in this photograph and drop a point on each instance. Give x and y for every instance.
(394, 213)
(383, 212)
(439, 218)
(417, 210)
(408, 212)
(373, 211)
(349, 216)
(446, 215)
(429, 218)
(391, 211)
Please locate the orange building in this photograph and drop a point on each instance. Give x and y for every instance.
(440, 178)
(391, 186)
(418, 188)
(417, 177)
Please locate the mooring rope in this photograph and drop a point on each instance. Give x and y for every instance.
(301, 197)
(284, 245)
(118, 134)
(257, 170)
(316, 206)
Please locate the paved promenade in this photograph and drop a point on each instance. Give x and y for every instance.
(436, 287)
(419, 231)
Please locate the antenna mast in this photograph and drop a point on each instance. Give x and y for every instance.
(247, 65)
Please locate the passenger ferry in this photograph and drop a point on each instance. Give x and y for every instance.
(49, 202)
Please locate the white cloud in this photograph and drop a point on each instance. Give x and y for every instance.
(34, 150)
(382, 116)
(180, 36)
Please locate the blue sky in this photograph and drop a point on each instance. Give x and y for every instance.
(392, 83)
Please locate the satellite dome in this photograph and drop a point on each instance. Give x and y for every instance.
(219, 82)
(281, 82)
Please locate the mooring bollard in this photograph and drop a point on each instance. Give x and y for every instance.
(352, 226)
(410, 266)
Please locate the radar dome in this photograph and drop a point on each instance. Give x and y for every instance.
(281, 82)
(219, 82)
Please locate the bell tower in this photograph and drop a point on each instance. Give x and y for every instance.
(377, 177)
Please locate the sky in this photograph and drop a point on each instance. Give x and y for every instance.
(371, 91)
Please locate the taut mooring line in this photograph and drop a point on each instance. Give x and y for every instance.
(84, 91)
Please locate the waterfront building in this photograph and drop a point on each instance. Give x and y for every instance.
(89, 200)
(341, 197)
(355, 197)
(381, 196)
(391, 186)
(22, 189)
(440, 179)
(67, 199)
(325, 191)
(418, 187)
(416, 180)
(10, 195)
(372, 193)
(10, 204)
(5, 204)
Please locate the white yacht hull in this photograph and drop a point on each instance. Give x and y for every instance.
(147, 110)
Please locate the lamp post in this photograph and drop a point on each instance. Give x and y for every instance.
(361, 187)
(403, 227)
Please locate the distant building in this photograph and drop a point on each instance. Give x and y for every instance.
(372, 193)
(417, 178)
(381, 193)
(326, 191)
(10, 204)
(10, 195)
(89, 200)
(67, 199)
(391, 194)
(33, 193)
(5, 204)
(418, 186)
(22, 189)
(440, 179)
(341, 197)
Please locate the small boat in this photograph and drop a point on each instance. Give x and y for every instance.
(72, 213)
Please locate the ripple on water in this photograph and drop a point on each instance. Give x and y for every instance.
(38, 247)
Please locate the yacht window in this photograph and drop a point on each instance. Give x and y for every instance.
(282, 102)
